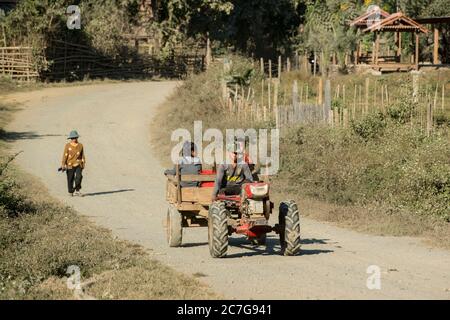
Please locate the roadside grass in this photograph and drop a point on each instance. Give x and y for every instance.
(40, 239)
(379, 176)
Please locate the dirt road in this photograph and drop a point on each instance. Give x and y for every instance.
(125, 192)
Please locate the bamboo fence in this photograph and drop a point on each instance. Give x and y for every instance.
(70, 61)
(17, 63)
(330, 102)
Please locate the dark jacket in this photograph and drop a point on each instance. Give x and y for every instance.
(188, 165)
(227, 175)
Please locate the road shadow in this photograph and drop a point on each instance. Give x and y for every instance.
(93, 194)
(192, 245)
(11, 136)
(272, 247)
(314, 241)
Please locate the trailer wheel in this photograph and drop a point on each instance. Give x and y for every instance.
(289, 221)
(218, 230)
(174, 228)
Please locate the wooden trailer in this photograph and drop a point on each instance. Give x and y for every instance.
(188, 206)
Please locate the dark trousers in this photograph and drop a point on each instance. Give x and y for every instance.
(74, 177)
(231, 189)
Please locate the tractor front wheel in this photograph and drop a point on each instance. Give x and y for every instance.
(174, 227)
(218, 230)
(289, 221)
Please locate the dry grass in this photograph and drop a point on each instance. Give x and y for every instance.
(40, 238)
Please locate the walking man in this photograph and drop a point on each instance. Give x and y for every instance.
(73, 162)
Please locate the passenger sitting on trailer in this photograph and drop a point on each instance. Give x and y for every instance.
(230, 177)
(189, 164)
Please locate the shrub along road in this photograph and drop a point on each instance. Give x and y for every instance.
(125, 192)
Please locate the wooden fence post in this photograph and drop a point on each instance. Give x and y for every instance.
(295, 100)
(320, 92)
(270, 69)
(275, 104)
(366, 104)
(345, 117)
(443, 97)
(327, 105)
(269, 94)
(415, 87)
(429, 119)
(279, 67)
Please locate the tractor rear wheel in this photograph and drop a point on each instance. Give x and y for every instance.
(174, 228)
(289, 221)
(218, 230)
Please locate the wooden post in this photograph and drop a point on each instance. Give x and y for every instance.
(270, 70)
(331, 117)
(415, 87)
(288, 65)
(358, 52)
(275, 104)
(208, 51)
(295, 100)
(307, 94)
(343, 95)
(320, 92)
(306, 64)
(435, 97)
(373, 51)
(327, 105)
(261, 62)
(436, 46)
(279, 67)
(416, 62)
(374, 102)
(399, 46)
(269, 93)
(262, 92)
(354, 104)
(366, 102)
(360, 99)
(377, 46)
(429, 119)
(345, 117)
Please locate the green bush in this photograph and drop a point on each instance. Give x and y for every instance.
(370, 126)
(403, 110)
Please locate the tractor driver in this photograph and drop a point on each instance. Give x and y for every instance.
(230, 177)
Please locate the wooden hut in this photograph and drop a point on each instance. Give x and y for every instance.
(397, 23)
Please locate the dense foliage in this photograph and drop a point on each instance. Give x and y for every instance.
(259, 27)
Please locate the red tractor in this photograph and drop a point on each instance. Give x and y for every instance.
(248, 214)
